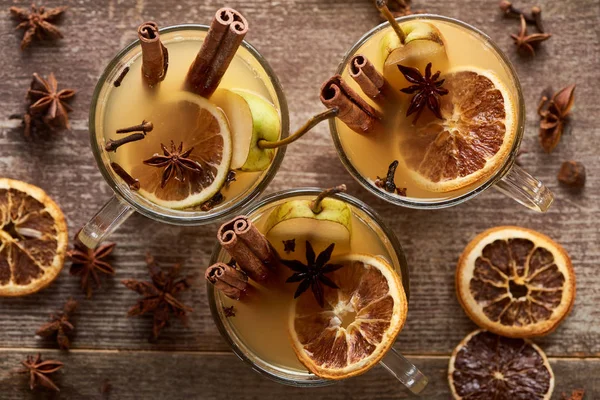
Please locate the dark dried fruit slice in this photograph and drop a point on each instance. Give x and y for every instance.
(515, 282)
(486, 366)
(33, 238)
(358, 324)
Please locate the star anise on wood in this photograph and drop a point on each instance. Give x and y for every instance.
(576, 394)
(527, 43)
(60, 326)
(39, 370)
(37, 23)
(175, 163)
(426, 88)
(48, 106)
(312, 274)
(554, 113)
(88, 263)
(158, 295)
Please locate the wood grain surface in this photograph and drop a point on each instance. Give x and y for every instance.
(303, 40)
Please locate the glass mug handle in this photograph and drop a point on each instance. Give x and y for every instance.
(105, 222)
(404, 371)
(525, 189)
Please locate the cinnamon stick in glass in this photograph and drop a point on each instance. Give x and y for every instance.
(354, 111)
(371, 82)
(155, 57)
(226, 33)
(232, 282)
(247, 249)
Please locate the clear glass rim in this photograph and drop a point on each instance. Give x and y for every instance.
(368, 210)
(180, 217)
(408, 202)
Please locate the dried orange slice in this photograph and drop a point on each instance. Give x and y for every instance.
(193, 122)
(515, 282)
(33, 238)
(473, 139)
(488, 366)
(358, 324)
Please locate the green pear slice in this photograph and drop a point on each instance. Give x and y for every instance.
(239, 116)
(251, 118)
(295, 220)
(424, 44)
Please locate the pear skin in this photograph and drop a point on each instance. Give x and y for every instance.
(424, 44)
(266, 125)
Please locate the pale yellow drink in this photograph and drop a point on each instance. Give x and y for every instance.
(133, 101)
(261, 321)
(371, 154)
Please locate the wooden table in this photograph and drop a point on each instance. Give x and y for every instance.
(303, 40)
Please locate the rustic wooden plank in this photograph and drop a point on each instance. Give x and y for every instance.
(159, 375)
(288, 32)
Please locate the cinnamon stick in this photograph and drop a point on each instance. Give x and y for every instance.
(240, 238)
(372, 83)
(155, 57)
(353, 110)
(232, 282)
(226, 33)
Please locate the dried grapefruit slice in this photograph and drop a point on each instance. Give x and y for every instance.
(488, 366)
(33, 238)
(196, 123)
(358, 324)
(515, 282)
(473, 139)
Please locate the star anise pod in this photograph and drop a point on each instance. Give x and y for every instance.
(527, 43)
(37, 23)
(426, 89)
(87, 263)
(554, 113)
(576, 394)
(312, 274)
(60, 326)
(39, 370)
(289, 246)
(48, 106)
(159, 295)
(175, 162)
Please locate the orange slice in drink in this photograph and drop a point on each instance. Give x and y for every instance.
(515, 282)
(33, 238)
(472, 140)
(358, 324)
(190, 121)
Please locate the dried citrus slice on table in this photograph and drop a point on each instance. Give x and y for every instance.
(470, 142)
(515, 282)
(33, 238)
(358, 324)
(486, 366)
(193, 123)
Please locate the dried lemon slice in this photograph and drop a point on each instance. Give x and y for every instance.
(33, 238)
(193, 122)
(358, 324)
(515, 282)
(488, 366)
(473, 139)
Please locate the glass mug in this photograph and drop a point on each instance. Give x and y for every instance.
(509, 179)
(393, 361)
(126, 201)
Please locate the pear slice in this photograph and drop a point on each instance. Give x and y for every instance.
(424, 44)
(251, 118)
(295, 219)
